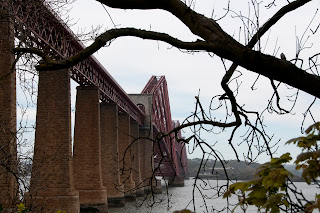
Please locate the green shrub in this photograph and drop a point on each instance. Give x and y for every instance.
(22, 208)
(268, 190)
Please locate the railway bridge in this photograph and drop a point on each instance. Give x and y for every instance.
(115, 154)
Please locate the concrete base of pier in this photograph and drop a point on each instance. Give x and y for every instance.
(140, 192)
(156, 187)
(130, 197)
(176, 181)
(51, 203)
(116, 202)
(97, 208)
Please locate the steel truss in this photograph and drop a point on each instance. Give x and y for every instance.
(170, 155)
(38, 26)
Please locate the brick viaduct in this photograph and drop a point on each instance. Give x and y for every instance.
(114, 156)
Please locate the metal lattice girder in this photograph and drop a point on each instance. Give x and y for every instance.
(36, 25)
(175, 159)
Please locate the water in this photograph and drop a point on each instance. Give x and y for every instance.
(180, 198)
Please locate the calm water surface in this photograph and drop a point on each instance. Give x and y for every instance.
(180, 198)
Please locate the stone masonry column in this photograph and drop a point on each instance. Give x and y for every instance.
(51, 186)
(87, 150)
(125, 156)
(136, 175)
(146, 153)
(110, 153)
(145, 141)
(8, 147)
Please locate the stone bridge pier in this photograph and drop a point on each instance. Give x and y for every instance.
(125, 156)
(8, 147)
(110, 153)
(52, 182)
(87, 150)
(109, 164)
(146, 150)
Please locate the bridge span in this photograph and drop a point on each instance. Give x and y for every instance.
(116, 154)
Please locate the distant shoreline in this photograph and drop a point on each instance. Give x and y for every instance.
(213, 177)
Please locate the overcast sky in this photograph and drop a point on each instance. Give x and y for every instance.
(132, 61)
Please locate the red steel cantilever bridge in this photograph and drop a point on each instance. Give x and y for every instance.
(37, 26)
(170, 156)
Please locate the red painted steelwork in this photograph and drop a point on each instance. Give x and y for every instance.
(170, 155)
(182, 153)
(40, 27)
